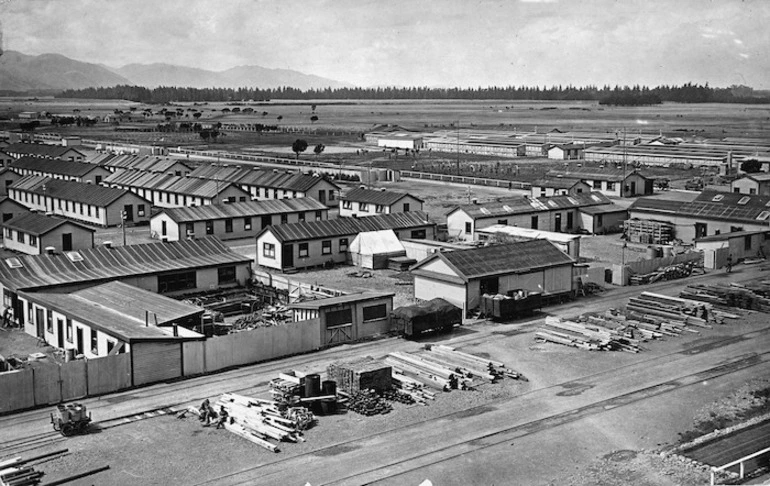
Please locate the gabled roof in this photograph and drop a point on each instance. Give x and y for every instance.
(148, 163)
(53, 166)
(603, 209)
(343, 299)
(70, 190)
(40, 149)
(103, 264)
(119, 310)
(558, 182)
(371, 196)
(759, 177)
(243, 209)
(189, 186)
(731, 235)
(347, 226)
(247, 176)
(605, 174)
(39, 224)
(503, 259)
(714, 205)
(525, 205)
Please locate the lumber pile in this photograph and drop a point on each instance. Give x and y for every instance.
(20, 476)
(471, 365)
(646, 317)
(262, 421)
(751, 296)
(670, 272)
(361, 374)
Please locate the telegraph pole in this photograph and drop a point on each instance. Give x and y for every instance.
(458, 147)
(123, 225)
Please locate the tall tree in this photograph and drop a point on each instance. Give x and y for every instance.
(318, 149)
(299, 146)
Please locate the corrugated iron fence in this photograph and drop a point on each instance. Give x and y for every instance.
(47, 384)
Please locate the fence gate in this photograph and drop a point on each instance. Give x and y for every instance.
(153, 362)
(339, 334)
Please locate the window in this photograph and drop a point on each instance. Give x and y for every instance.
(140, 209)
(177, 281)
(81, 208)
(229, 225)
(88, 210)
(246, 224)
(58, 202)
(96, 211)
(301, 217)
(339, 318)
(303, 250)
(379, 208)
(49, 320)
(226, 275)
(362, 206)
(94, 342)
(190, 229)
(502, 221)
(32, 240)
(176, 198)
(600, 220)
(597, 184)
(98, 179)
(347, 205)
(744, 200)
(319, 215)
(284, 218)
(209, 227)
(69, 330)
(242, 199)
(418, 234)
(752, 191)
(268, 250)
(736, 189)
(331, 195)
(747, 242)
(533, 222)
(734, 229)
(610, 186)
(110, 345)
(326, 247)
(20, 237)
(375, 312)
(8, 233)
(343, 245)
(468, 227)
(163, 229)
(718, 198)
(570, 220)
(406, 207)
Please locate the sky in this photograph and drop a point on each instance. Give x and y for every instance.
(436, 43)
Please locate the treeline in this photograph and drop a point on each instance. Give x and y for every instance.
(687, 93)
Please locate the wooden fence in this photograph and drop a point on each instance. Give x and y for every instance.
(474, 181)
(46, 384)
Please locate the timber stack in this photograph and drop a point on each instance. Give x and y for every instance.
(264, 422)
(748, 296)
(20, 476)
(361, 375)
(647, 317)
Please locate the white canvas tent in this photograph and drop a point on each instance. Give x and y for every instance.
(372, 249)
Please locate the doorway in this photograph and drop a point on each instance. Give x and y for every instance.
(60, 333)
(79, 336)
(287, 256)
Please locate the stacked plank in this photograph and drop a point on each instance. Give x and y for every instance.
(412, 387)
(676, 310)
(471, 365)
(751, 296)
(262, 421)
(20, 476)
(429, 371)
(362, 374)
(590, 336)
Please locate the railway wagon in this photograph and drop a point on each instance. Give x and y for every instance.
(434, 316)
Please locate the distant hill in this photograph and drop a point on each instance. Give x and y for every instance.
(21, 72)
(154, 75)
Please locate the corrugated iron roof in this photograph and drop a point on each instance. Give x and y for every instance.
(371, 196)
(104, 264)
(70, 190)
(243, 209)
(558, 182)
(343, 299)
(119, 310)
(603, 209)
(524, 205)
(39, 224)
(347, 226)
(148, 163)
(40, 149)
(605, 174)
(246, 176)
(53, 166)
(507, 258)
(189, 186)
(652, 203)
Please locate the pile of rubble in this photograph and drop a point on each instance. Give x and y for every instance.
(670, 272)
(272, 315)
(647, 317)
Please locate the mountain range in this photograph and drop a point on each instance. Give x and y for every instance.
(22, 72)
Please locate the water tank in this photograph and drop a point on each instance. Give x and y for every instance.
(312, 385)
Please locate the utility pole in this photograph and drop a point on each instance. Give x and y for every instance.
(458, 147)
(623, 183)
(123, 225)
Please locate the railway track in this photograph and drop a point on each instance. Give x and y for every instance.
(264, 472)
